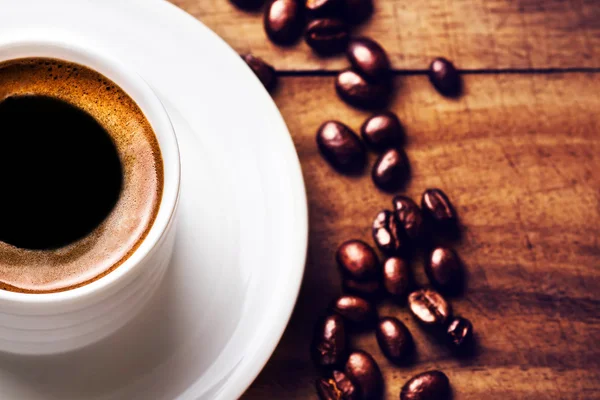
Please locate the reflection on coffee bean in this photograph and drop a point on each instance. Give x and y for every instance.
(323, 8)
(338, 387)
(327, 36)
(357, 91)
(264, 72)
(283, 21)
(444, 76)
(355, 310)
(362, 369)
(74, 206)
(385, 233)
(438, 209)
(329, 346)
(369, 59)
(357, 11)
(409, 217)
(357, 260)
(382, 131)
(429, 385)
(394, 339)
(341, 147)
(460, 332)
(396, 278)
(444, 269)
(429, 307)
(391, 170)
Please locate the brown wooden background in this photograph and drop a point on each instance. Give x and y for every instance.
(519, 154)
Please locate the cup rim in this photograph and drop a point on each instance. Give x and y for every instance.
(154, 111)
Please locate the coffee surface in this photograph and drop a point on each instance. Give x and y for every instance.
(82, 175)
(64, 175)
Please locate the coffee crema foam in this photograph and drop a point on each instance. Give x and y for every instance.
(123, 230)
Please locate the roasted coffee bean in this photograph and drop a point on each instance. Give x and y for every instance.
(357, 91)
(357, 260)
(329, 342)
(409, 217)
(369, 59)
(341, 147)
(429, 307)
(382, 131)
(385, 233)
(362, 369)
(357, 11)
(283, 21)
(437, 208)
(460, 332)
(324, 8)
(369, 289)
(355, 310)
(262, 70)
(396, 278)
(430, 385)
(444, 269)
(327, 36)
(394, 339)
(248, 4)
(327, 389)
(338, 387)
(391, 170)
(445, 77)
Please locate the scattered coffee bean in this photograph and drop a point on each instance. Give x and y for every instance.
(445, 77)
(460, 332)
(362, 369)
(262, 70)
(391, 170)
(396, 278)
(357, 260)
(382, 131)
(394, 339)
(437, 208)
(429, 307)
(444, 269)
(357, 91)
(341, 147)
(327, 389)
(329, 342)
(430, 385)
(327, 36)
(355, 310)
(409, 217)
(283, 21)
(369, 289)
(248, 4)
(385, 233)
(323, 8)
(369, 59)
(338, 387)
(357, 11)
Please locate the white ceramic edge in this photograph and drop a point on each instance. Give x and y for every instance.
(244, 375)
(155, 112)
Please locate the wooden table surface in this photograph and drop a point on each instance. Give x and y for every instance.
(519, 153)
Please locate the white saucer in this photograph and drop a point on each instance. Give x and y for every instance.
(242, 234)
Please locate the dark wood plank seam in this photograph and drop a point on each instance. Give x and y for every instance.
(411, 72)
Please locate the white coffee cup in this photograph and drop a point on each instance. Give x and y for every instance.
(48, 323)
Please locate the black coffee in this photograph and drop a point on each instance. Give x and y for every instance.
(62, 174)
(81, 174)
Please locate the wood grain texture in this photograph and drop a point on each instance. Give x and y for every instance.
(519, 156)
(482, 34)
